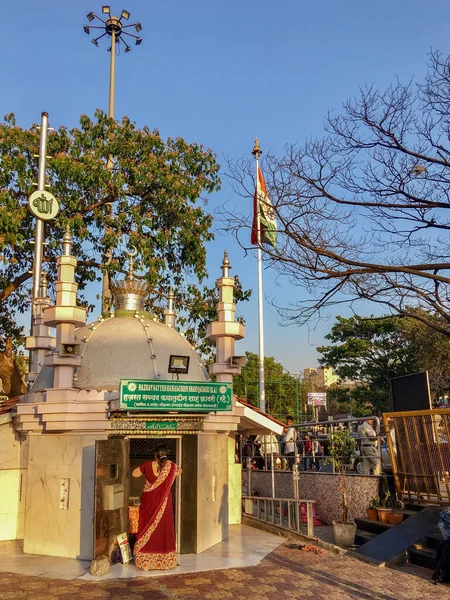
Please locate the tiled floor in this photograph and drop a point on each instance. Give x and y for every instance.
(284, 574)
(245, 547)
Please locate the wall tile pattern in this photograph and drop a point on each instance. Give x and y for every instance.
(322, 487)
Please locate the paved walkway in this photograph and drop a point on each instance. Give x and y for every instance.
(245, 547)
(284, 573)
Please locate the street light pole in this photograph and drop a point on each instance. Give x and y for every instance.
(33, 368)
(39, 230)
(115, 28)
(112, 75)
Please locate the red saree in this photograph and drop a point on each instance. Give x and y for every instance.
(155, 546)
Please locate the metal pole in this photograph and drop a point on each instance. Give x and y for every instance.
(272, 465)
(301, 401)
(112, 75)
(262, 391)
(106, 305)
(296, 400)
(295, 483)
(39, 230)
(39, 233)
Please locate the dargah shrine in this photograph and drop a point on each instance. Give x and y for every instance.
(102, 396)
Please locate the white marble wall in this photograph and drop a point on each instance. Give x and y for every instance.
(49, 529)
(212, 490)
(12, 480)
(10, 444)
(235, 485)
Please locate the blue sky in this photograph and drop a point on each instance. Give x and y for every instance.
(219, 73)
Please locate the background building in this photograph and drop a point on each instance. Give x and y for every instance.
(320, 377)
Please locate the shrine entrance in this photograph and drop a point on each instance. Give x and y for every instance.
(143, 449)
(116, 491)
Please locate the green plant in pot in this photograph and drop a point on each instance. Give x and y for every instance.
(384, 509)
(342, 453)
(372, 509)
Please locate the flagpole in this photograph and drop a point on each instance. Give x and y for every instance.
(262, 392)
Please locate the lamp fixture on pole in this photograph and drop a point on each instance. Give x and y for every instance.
(114, 27)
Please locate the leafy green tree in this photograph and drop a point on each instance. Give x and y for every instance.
(432, 351)
(343, 400)
(281, 388)
(152, 200)
(370, 351)
(374, 350)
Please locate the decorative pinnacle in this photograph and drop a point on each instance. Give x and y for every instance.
(44, 284)
(256, 149)
(226, 265)
(132, 254)
(170, 298)
(67, 242)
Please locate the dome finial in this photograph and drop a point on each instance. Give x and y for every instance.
(132, 254)
(130, 293)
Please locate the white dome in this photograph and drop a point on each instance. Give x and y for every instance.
(126, 348)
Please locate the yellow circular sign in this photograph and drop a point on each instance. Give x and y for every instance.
(43, 205)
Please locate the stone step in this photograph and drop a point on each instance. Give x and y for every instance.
(434, 540)
(414, 507)
(406, 512)
(393, 540)
(423, 557)
(375, 527)
(363, 536)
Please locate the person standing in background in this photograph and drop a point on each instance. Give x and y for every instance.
(317, 452)
(369, 447)
(307, 459)
(289, 441)
(444, 523)
(269, 448)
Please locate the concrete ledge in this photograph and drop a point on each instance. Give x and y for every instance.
(291, 535)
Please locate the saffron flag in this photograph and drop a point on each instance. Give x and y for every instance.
(267, 220)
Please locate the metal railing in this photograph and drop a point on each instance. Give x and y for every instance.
(311, 454)
(285, 513)
(419, 445)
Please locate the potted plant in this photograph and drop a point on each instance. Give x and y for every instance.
(342, 451)
(372, 509)
(394, 518)
(384, 510)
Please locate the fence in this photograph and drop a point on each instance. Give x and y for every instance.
(311, 449)
(286, 513)
(420, 452)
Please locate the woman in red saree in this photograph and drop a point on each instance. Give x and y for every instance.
(155, 546)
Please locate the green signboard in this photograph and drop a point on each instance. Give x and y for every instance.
(161, 425)
(186, 396)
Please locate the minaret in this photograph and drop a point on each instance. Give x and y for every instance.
(225, 331)
(41, 342)
(65, 315)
